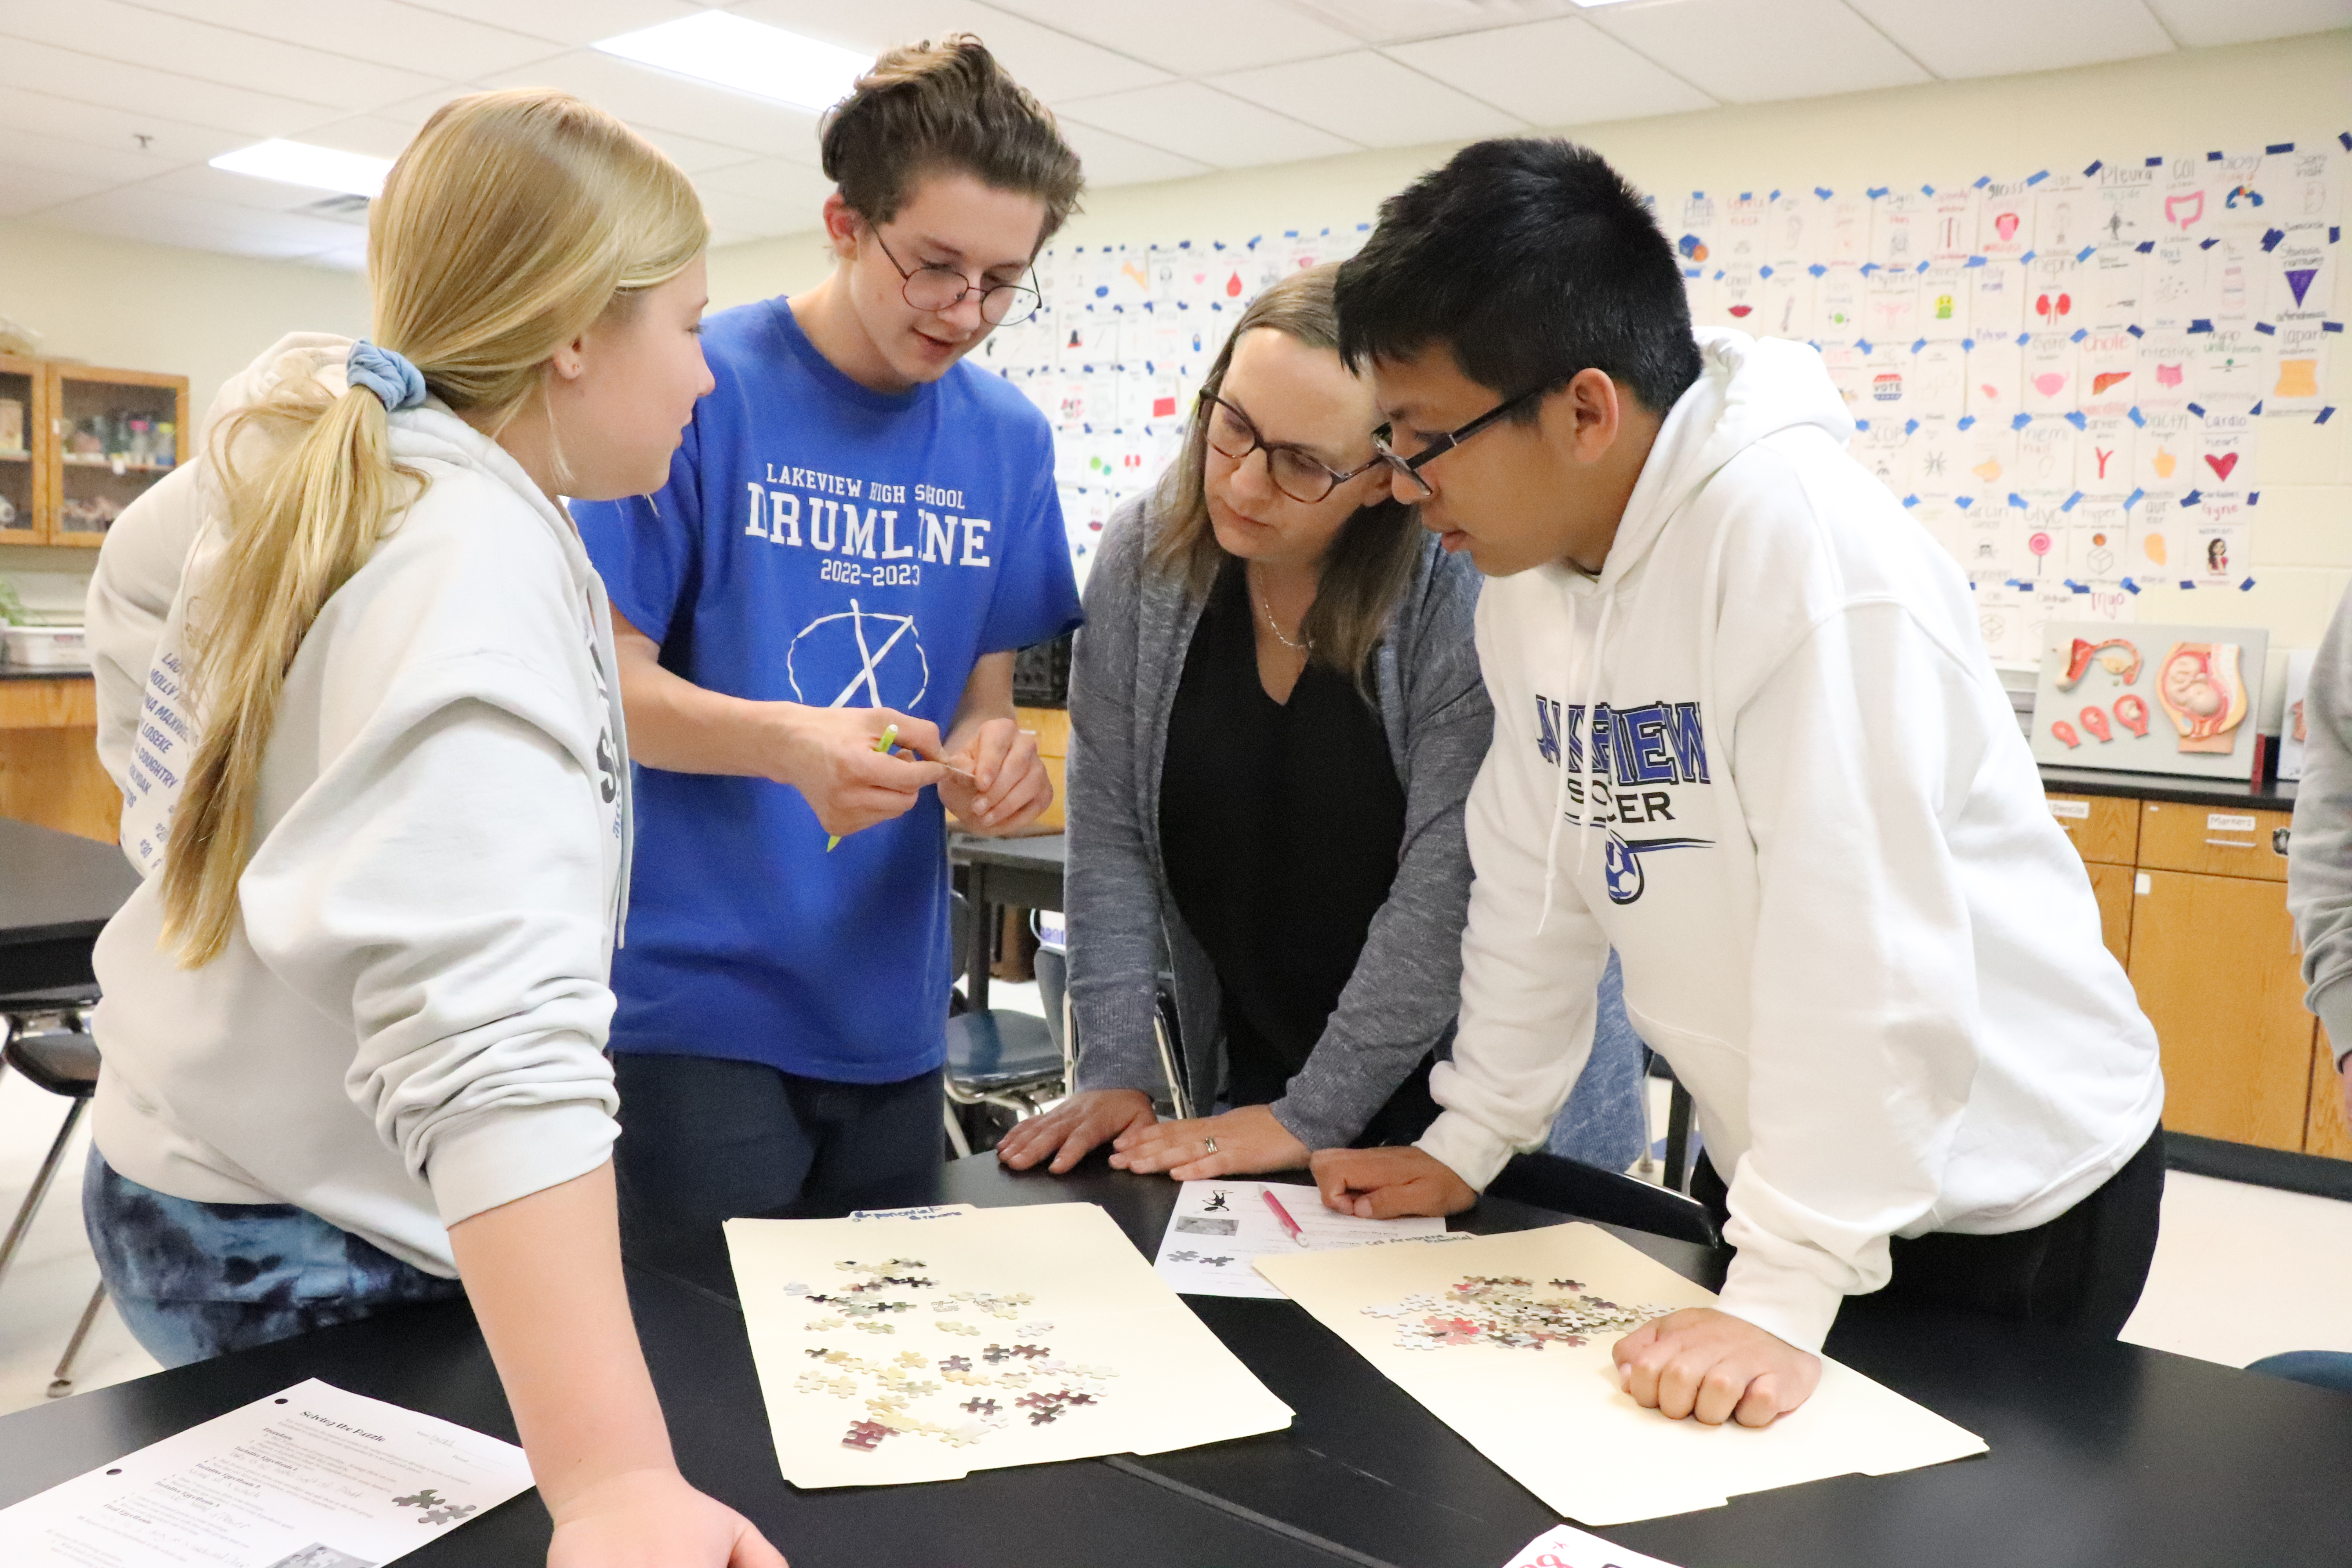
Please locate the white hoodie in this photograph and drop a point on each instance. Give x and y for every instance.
(407, 1026)
(1818, 842)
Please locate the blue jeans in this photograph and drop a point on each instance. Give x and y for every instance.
(196, 1280)
(1602, 1122)
(2320, 1369)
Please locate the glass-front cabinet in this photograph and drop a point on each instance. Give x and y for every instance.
(24, 410)
(113, 434)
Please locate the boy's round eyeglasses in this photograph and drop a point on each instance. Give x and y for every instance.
(1410, 468)
(939, 290)
(1296, 473)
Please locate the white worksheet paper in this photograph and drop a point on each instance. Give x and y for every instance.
(310, 1478)
(1220, 1230)
(1564, 1546)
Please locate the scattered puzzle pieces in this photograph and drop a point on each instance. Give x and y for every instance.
(866, 1435)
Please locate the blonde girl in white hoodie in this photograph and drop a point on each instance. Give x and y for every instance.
(356, 684)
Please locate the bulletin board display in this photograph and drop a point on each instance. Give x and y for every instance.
(2063, 373)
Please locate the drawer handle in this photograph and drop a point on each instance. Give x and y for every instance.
(2278, 840)
(2231, 843)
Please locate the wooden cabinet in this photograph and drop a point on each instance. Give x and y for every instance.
(2112, 886)
(1052, 726)
(2213, 961)
(24, 478)
(111, 434)
(2105, 831)
(49, 773)
(2218, 841)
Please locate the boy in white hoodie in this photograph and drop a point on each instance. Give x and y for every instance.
(1746, 732)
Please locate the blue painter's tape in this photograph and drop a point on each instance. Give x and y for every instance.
(2323, 416)
(2095, 166)
(1926, 190)
(2152, 164)
(1967, 420)
(2207, 244)
(2019, 421)
(2198, 409)
(1862, 424)
(2334, 234)
(1875, 191)
(2023, 339)
(1981, 182)
(2185, 583)
(2086, 253)
(1764, 272)
(2331, 326)
(2130, 587)
(1868, 267)
(2075, 417)
(2134, 331)
(2026, 256)
(2075, 588)
(2265, 329)
(1975, 261)
(2253, 498)
(2246, 587)
(2079, 334)
(2194, 498)
(1910, 501)
(2037, 179)
(2016, 500)
(2344, 137)
(1823, 192)
(2200, 323)
(2134, 498)
(1773, 197)
(2071, 502)
(1861, 343)
(2275, 148)
(2136, 418)
(2271, 238)
(1747, 195)
(1918, 343)
(2212, 157)
(1817, 270)
(1909, 426)
(1964, 502)
(1923, 267)
(1968, 345)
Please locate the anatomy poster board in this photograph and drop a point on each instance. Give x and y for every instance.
(1220, 1230)
(312, 1477)
(924, 1346)
(1506, 1340)
(2295, 718)
(2150, 699)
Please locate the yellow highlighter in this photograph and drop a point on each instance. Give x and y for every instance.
(889, 739)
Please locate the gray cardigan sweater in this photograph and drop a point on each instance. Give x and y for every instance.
(2319, 851)
(1124, 929)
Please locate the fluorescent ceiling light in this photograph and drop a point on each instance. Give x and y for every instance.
(300, 163)
(749, 57)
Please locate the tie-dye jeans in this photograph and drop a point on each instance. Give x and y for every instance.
(195, 1280)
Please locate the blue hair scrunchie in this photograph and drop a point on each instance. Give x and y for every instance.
(396, 383)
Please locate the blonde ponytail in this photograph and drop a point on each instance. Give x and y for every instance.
(507, 229)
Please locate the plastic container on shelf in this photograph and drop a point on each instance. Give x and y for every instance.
(45, 647)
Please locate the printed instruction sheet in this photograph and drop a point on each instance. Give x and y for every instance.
(310, 1477)
(1221, 1229)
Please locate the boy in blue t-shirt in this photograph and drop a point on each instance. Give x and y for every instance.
(856, 534)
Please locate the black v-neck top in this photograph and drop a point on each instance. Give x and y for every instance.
(1280, 825)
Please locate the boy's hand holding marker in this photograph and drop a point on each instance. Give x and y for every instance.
(1002, 784)
(853, 778)
(1700, 1362)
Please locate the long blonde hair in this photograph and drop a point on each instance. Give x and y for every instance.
(511, 225)
(1370, 561)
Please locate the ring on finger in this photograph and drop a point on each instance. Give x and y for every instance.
(1211, 1144)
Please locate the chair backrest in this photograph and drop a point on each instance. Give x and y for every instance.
(1588, 1192)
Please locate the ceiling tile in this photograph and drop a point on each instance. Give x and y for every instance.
(1565, 72)
(108, 165)
(135, 212)
(408, 36)
(390, 129)
(1194, 39)
(654, 100)
(1197, 121)
(564, 21)
(170, 140)
(126, 34)
(2198, 23)
(64, 73)
(1368, 98)
(2003, 37)
(1741, 52)
(377, 135)
(1400, 21)
(1050, 64)
(771, 179)
(24, 190)
(1114, 160)
(219, 187)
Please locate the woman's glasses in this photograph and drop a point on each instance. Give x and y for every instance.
(1295, 472)
(941, 289)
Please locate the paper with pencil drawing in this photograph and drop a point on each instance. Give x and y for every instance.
(1506, 1339)
(925, 1344)
(1220, 1227)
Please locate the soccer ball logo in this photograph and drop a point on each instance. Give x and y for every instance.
(1621, 868)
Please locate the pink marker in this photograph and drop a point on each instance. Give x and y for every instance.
(1282, 1215)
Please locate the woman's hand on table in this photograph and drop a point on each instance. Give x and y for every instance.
(652, 1518)
(1707, 1363)
(1074, 1129)
(1236, 1143)
(1382, 1184)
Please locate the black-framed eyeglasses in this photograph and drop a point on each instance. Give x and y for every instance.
(1410, 468)
(941, 289)
(1295, 472)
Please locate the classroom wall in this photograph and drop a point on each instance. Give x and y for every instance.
(133, 306)
(1940, 133)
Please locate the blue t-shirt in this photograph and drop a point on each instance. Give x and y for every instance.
(825, 543)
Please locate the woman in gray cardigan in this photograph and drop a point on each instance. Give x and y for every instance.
(1276, 714)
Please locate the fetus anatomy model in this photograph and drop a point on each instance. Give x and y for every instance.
(2203, 694)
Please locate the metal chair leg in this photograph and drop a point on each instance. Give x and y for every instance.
(956, 1138)
(40, 1189)
(1678, 1125)
(1647, 1166)
(61, 1382)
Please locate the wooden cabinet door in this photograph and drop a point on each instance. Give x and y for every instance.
(2111, 885)
(2104, 830)
(2324, 1130)
(2214, 962)
(2224, 841)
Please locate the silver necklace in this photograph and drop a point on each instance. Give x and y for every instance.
(1302, 645)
